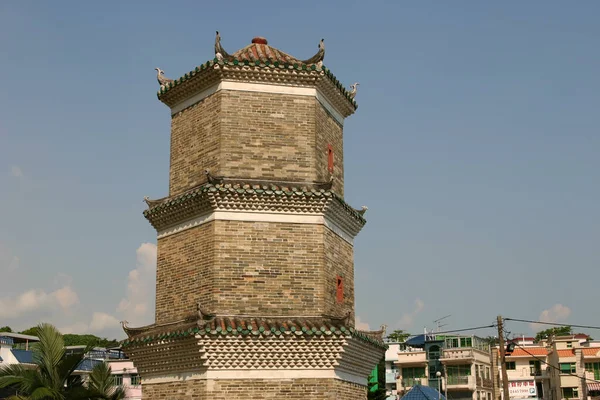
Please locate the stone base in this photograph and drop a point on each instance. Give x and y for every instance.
(230, 389)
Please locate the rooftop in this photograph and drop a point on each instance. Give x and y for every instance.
(529, 352)
(19, 337)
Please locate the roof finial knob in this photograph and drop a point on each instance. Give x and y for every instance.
(259, 40)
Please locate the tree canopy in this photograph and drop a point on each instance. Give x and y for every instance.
(398, 336)
(556, 331)
(72, 339)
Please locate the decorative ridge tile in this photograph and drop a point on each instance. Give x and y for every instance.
(252, 327)
(240, 63)
(239, 196)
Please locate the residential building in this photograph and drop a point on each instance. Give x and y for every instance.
(574, 367)
(126, 375)
(391, 369)
(459, 365)
(528, 374)
(124, 372)
(14, 348)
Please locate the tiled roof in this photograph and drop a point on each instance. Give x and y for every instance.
(591, 352)
(528, 352)
(419, 392)
(268, 65)
(23, 356)
(259, 50)
(252, 326)
(260, 197)
(565, 353)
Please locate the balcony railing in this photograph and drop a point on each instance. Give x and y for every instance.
(458, 380)
(484, 382)
(410, 382)
(449, 354)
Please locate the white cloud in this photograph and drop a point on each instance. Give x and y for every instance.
(557, 313)
(16, 171)
(32, 300)
(100, 323)
(360, 325)
(407, 319)
(137, 306)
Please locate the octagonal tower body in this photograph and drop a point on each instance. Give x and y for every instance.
(255, 241)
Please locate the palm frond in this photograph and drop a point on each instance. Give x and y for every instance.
(49, 353)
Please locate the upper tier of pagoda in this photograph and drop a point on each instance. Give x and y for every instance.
(259, 62)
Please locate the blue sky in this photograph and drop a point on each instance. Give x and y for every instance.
(475, 147)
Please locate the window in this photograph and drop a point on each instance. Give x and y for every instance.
(595, 368)
(569, 345)
(340, 290)
(136, 380)
(330, 158)
(567, 368)
(118, 380)
(466, 342)
(570, 393)
(412, 376)
(535, 368)
(458, 374)
(510, 365)
(434, 352)
(487, 373)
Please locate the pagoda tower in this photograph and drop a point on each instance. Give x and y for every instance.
(255, 269)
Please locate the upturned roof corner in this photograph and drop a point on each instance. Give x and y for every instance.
(259, 62)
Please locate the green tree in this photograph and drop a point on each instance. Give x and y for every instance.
(31, 331)
(398, 336)
(53, 378)
(5, 329)
(556, 331)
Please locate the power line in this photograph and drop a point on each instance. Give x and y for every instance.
(451, 331)
(552, 323)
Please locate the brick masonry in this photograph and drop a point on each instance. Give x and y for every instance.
(314, 389)
(184, 272)
(254, 135)
(253, 268)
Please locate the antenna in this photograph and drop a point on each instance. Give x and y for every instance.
(439, 326)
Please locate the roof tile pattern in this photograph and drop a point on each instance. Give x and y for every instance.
(251, 326)
(264, 53)
(528, 352)
(248, 197)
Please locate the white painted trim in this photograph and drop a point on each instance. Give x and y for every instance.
(289, 218)
(261, 88)
(247, 374)
(267, 88)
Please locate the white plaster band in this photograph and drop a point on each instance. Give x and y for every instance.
(260, 88)
(278, 374)
(318, 219)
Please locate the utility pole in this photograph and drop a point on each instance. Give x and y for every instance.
(503, 357)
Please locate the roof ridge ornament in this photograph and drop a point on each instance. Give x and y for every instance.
(354, 88)
(162, 80)
(220, 52)
(317, 58)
